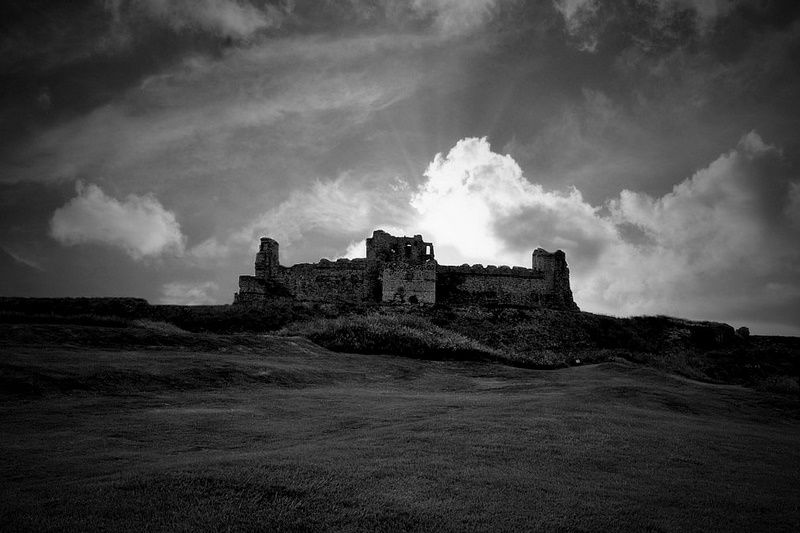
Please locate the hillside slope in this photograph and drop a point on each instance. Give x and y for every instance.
(140, 428)
(706, 351)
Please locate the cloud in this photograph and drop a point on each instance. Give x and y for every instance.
(139, 225)
(23, 259)
(312, 221)
(593, 143)
(793, 205)
(478, 207)
(715, 243)
(299, 94)
(456, 17)
(328, 218)
(710, 249)
(189, 293)
(706, 11)
(227, 18)
(579, 16)
(719, 246)
(656, 22)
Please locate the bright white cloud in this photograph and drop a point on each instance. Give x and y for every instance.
(713, 248)
(706, 250)
(714, 243)
(189, 293)
(478, 207)
(139, 225)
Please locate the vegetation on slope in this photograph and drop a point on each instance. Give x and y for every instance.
(524, 337)
(408, 335)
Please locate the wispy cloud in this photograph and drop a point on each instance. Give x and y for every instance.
(457, 17)
(579, 18)
(23, 259)
(139, 225)
(655, 22)
(228, 18)
(162, 128)
(313, 222)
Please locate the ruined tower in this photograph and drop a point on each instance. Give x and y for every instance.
(556, 277)
(401, 269)
(267, 259)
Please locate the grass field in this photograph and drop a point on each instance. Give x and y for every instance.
(109, 429)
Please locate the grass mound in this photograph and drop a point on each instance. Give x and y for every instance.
(531, 338)
(409, 336)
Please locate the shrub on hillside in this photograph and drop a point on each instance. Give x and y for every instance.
(81, 319)
(390, 334)
(787, 385)
(158, 327)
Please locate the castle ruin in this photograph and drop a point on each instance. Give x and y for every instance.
(403, 270)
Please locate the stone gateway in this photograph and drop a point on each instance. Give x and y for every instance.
(403, 270)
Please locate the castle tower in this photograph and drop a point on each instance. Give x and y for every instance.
(400, 269)
(267, 258)
(546, 262)
(388, 248)
(556, 276)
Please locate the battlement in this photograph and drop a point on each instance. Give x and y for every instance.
(404, 270)
(492, 270)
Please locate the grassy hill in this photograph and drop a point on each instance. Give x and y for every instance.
(137, 425)
(705, 351)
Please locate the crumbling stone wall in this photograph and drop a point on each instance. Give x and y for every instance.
(405, 283)
(490, 285)
(403, 270)
(327, 281)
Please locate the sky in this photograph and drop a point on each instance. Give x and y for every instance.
(147, 145)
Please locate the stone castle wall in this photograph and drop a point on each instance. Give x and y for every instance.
(491, 285)
(331, 281)
(341, 281)
(403, 283)
(403, 270)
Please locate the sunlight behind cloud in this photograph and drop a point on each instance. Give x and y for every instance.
(479, 207)
(727, 227)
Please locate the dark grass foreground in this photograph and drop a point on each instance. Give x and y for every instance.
(151, 429)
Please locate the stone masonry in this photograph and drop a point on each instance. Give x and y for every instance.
(403, 270)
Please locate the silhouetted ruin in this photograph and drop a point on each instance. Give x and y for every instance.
(403, 270)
